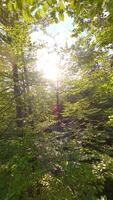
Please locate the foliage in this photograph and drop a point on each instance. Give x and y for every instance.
(40, 157)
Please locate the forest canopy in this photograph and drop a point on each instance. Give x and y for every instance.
(56, 136)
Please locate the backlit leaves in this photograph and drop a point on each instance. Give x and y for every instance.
(61, 16)
(61, 5)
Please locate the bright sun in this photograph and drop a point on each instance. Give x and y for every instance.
(48, 63)
(57, 35)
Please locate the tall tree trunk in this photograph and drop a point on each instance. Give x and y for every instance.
(17, 95)
(29, 98)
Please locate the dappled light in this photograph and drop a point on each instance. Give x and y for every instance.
(56, 100)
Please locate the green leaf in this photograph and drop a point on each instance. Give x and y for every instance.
(49, 2)
(26, 15)
(72, 5)
(54, 1)
(53, 13)
(19, 4)
(61, 5)
(39, 13)
(61, 16)
(10, 6)
(45, 7)
(15, 5)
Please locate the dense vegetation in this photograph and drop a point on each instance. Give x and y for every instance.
(69, 157)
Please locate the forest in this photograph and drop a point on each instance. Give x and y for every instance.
(56, 135)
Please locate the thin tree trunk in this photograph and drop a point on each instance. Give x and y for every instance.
(29, 100)
(17, 95)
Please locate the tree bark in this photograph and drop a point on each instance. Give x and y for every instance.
(17, 95)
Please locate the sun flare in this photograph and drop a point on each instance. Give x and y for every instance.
(48, 64)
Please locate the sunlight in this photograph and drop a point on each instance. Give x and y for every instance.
(48, 64)
(48, 61)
